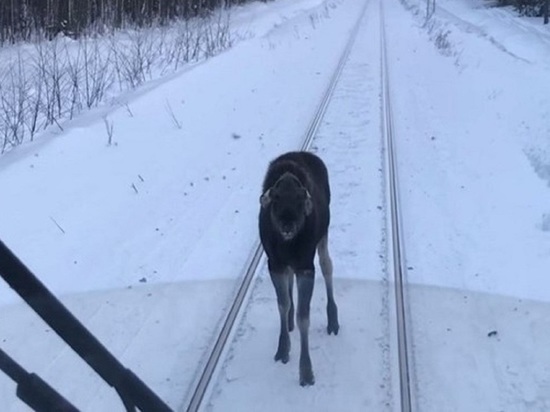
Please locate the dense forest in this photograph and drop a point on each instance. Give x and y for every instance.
(23, 19)
(531, 8)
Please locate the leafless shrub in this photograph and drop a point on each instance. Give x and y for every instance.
(34, 103)
(52, 71)
(128, 110)
(184, 46)
(109, 127)
(326, 9)
(13, 98)
(200, 37)
(188, 42)
(74, 72)
(98, 73)
(134, 57)
(313, 19)
(217, 34)
(57, 79)
(223, 25)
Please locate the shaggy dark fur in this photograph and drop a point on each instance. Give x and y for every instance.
(294, 220)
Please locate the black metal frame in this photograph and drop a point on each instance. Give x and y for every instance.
(32, 390)
(133, 392)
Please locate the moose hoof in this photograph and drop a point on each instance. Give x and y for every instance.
(281, 356)
(307, 378)
(332, 315)
(333, 328)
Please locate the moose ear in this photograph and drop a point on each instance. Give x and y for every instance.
(265, 199)
(308, 204)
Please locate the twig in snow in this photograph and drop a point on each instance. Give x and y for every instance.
(172, 115)
(58, 125)
(57, 224)
(130, 113)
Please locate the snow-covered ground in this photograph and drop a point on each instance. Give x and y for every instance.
(145, 239)
(474, 140)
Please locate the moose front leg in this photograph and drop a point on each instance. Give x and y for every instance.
(305, 280)
(281, 282)
(291, 311)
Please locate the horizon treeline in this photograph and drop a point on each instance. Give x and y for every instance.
(22, 20)
(531, 8)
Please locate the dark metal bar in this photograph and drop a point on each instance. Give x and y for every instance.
(32, 390)
(11, 368)
(131, 389)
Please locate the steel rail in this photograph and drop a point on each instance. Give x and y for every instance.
(398, 251)
(254, 262)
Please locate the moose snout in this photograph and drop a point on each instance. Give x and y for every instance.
(288, 231)
(287, 234)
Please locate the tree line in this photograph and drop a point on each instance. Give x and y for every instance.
(531, 8)
(25, 19)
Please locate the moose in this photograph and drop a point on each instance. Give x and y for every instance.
(293, 222)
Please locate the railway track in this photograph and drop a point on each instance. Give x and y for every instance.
(394, 221)
(393, 225)
(252, 266)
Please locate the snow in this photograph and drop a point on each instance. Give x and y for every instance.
(474, 207)
(145, 239)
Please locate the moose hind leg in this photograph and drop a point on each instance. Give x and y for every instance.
(281, 283)
(305, 280)
(326, 267)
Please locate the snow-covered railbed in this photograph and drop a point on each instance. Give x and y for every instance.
(152, 329)
(472, 127)
(479, 351)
